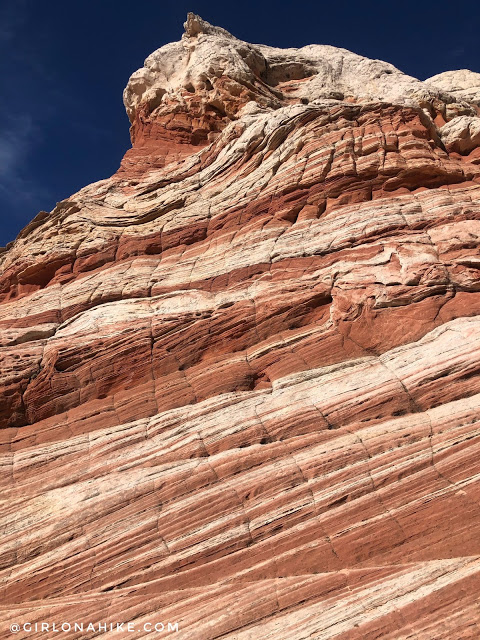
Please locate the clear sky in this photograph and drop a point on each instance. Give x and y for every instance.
(64, 64)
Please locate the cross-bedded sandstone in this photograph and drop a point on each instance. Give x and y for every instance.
(240, 377)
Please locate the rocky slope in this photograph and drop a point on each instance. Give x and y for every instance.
(239, 378)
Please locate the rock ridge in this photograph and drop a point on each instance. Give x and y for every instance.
(239, 379)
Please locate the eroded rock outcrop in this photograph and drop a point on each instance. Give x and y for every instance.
(463, 84)
(239, 378)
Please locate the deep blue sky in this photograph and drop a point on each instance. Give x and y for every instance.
(64, 64)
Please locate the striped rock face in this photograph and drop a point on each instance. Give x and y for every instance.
(240, 379)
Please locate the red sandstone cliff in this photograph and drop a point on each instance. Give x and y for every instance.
(239, 378)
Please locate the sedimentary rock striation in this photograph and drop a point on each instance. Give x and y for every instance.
(240, 378)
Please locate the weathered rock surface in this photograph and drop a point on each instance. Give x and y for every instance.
(240, 378)
(463, 84)
(462, 134)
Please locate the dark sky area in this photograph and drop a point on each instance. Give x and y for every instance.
(64, 64)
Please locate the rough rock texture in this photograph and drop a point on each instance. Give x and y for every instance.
(240, 378)
(462, 134)
(463, 84)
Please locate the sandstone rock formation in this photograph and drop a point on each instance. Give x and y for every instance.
(240, 378)
(463, 84)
